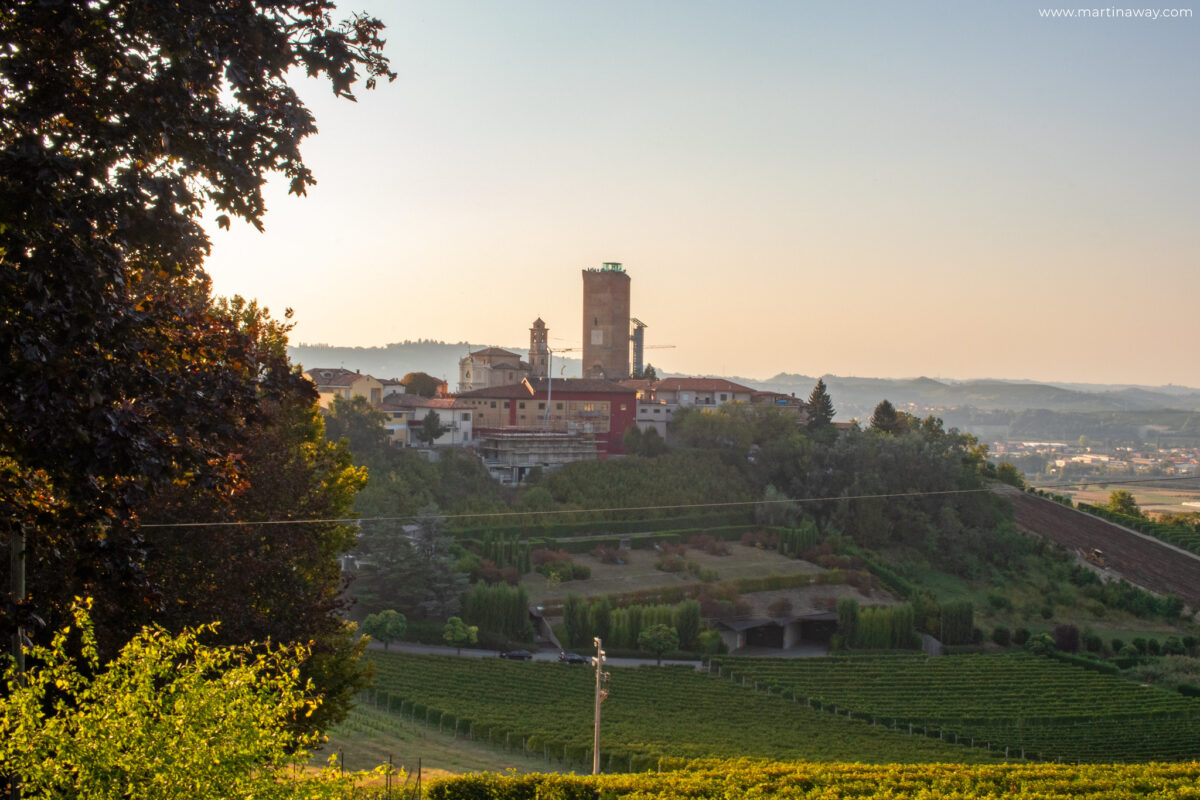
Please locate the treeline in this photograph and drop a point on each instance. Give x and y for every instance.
(622, 628)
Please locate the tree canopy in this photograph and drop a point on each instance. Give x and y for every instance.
(121, 125)
(421, 383)
(819, 406)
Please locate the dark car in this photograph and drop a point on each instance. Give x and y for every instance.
(517, 655)
(572, 658)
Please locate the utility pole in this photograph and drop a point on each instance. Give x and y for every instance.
(601, 694)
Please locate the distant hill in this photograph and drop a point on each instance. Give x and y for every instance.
(991, 409)
(439, 359)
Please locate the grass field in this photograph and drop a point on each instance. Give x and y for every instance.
(639, 572)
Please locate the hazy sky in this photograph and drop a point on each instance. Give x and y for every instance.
(953, 189)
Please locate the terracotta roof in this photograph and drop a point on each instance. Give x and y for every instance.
(400, 402)
(568, 385)
(334, 376)
(699, 385)
(495, 352)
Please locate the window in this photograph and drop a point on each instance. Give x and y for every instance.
(622, 406)
(589, 406)
(506, 404)
(493, 404)
(521, 405)
(558, 406)
(541, 406)
(466, 416)
(723, 398)
(657, 410)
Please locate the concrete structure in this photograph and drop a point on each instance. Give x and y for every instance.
(784, 633)
(606, 322)
(701, 392)
(337, 382)
(563, 405)
(489, 367)
(406, 415)
(510, 455)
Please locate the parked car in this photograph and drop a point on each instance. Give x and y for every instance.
(572, 658)
(517, 655)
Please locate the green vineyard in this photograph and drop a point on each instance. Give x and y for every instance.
(545, 709)
(799, 781)
(1036, 708)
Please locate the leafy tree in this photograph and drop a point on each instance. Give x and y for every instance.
(649, 373)
(120, 124)
(819, 406)
(886, 419)
(653, 443)
(847, 613)
(687, 623)
(658, 639)
(279, 582)
(431, 428)
(420, 383)
(1121, 501)
(168, 717)
(359, 424)
(459, 634)
(576, 620)
(1007, 473)
(386, 626)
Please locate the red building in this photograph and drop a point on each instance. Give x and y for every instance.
(601, 408)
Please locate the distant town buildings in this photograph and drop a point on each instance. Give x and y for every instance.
(338, 382)
(519, 418)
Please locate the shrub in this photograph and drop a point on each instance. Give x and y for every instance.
(1020, 637)
(1154, 647)
(1092, 643)
(1140, 645)
(780, 607)
(762, 539)
(669, 563)
(608, 555)
(709, 544)
(999, 602)
(1001, 636)
(1066, 638)
(1173, 646)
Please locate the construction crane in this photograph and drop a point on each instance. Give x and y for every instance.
(638, 337)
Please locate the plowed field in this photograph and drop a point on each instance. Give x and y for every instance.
(1139, 559)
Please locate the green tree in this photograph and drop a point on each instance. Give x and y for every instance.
(359, 424)
(167, 717)
(687, 623)
(886, 419)
(459, 634)
(431, 428)
(658, 639)
(420, 383)
(1008, 473)
(386, 626)
(819, 407)
(1121, 501)
(278, 583)
(118, 131)
(649, 373)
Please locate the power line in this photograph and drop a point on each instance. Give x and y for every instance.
(558, 512)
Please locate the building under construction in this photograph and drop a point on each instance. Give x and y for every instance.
(606, 322)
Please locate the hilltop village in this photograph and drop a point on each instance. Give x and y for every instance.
(517, 416)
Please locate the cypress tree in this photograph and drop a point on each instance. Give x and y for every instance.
(820, 406)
